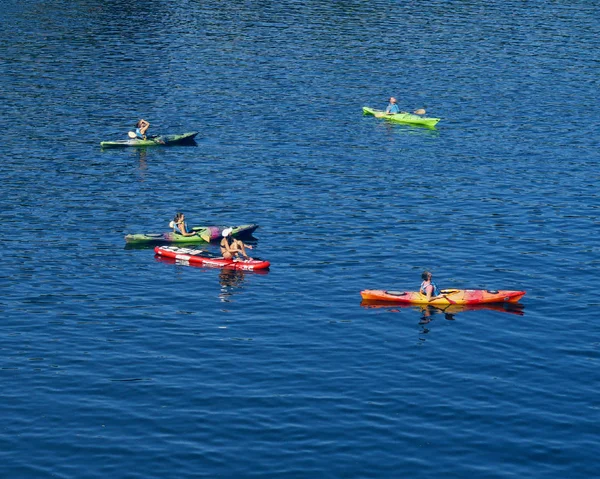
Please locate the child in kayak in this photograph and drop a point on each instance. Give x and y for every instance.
(141, 127)
(428, 287)
(392, 108)
(231, 247)
(180, 226)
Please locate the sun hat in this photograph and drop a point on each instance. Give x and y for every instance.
(131, 134)
(227, 231)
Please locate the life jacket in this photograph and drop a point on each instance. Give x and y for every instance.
(176, 228)
(435, 292)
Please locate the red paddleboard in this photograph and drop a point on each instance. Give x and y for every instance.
(202, 258)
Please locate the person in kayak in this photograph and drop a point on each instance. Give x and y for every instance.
(231, 247)
(392, 108)
(428, 287)
(141, 127)
(180, 226)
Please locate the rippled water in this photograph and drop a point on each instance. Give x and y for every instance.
(116, 363)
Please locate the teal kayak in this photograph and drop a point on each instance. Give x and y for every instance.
(402, 117)
(204, 234)
(160, 140)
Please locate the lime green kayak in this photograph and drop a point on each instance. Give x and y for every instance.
(204, 234)
(402, 117)
(161, 140)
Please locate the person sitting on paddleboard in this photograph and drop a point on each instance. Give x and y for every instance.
(180, 226)
(231, 246)
(141, 127)
(428, 287)
(392, 108)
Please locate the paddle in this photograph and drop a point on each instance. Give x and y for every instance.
(447, 291)
(204, 235)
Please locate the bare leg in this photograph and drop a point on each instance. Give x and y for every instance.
(242, 249)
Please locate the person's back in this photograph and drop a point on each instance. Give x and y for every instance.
(428, 287)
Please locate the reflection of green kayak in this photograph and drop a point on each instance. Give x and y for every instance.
(161, 140)
(402, 117)
(203, 234)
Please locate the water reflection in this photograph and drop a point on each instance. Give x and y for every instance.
(419, 130)
(427, 312)
(230, 280)
(143, 164)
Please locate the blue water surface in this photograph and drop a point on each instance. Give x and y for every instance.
(115, 363)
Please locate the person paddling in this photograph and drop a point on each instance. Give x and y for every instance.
(428, 287)
(231, 246)
(180, 226)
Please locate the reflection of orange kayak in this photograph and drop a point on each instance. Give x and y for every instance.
(448, 296)
(511, 308)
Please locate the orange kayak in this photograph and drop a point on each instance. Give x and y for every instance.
(448, 296)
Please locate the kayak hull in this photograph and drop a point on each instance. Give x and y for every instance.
(449, 296)
(204, 234)
(200, 258)
(161, 140)
(407, 118)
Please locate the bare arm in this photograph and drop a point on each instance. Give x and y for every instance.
(144, 126)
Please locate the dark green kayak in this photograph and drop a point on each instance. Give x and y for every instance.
(161, 140)
(204, 234)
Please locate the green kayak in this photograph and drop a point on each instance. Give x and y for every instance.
(204, 234)
(161, 140)
(402, 117)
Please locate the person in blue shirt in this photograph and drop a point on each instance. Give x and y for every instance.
(428, 287)
(141, 127)
(392, 108)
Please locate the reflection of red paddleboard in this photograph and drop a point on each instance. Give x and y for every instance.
(448, 296)
(511, 308)
(165, 259)
(203, 258)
